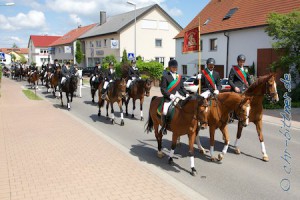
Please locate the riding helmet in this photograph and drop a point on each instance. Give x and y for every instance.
(173, 63)
(241, 57)
(210, 61)
(111, 64)
(133, 61)
(97, 62)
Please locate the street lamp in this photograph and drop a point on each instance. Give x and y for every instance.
(7, 4)
(134, 4)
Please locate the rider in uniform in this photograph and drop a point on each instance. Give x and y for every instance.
(133, 74)
(98, 73)
(109, 77)
(239, 79)
(171, 86)
(66, 72)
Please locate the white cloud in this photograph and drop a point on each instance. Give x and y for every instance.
(33, 19)
(75, 19)
(17, 39)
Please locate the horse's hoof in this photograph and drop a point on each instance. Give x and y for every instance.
(202, 151)
(170, 161)
(122, 122)
(160, 154)
(142, 118)
(213, 159)
(132, 116)
(237, 151)
(266, 158)
(220, 156)
(113, 121)
(193, 172)
(93, 101)
(126, 114)
(99, 114)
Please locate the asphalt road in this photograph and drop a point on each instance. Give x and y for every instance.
(243, 176)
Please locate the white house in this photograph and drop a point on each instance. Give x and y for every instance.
(229, 28)
(155, 31)
(38, 48)
(16, 51)
(64, 48)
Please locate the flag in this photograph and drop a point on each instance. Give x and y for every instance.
(191, 41)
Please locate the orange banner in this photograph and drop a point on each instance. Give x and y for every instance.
(191, 41)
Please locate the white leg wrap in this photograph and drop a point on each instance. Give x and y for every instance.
(69, 106)
(225, 148)
(128, 83)
(248, 111)
(198, 142)
(192, 161)
(166, 107)
(236, 142)
(211, 151)
(112, 116)
(263, 148)
(122, 116)
(141, 113)
(105, 84)
(171, 153)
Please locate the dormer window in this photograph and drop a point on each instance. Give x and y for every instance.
(206, 22)
(230, 13)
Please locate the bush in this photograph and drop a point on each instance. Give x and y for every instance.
(144, 76)
(153, 69)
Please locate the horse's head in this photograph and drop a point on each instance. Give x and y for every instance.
(73, 81)
(243, 111)
(121, 84)
(202, 113)
(271, 89)
(147, 86)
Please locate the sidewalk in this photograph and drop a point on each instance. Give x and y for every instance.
(46, 154)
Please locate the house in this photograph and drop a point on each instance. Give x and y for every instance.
(233, 27)
(64, 48)
(38, 46)
(18, 52)
(155, 31)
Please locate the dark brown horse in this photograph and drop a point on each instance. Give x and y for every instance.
(185, 121)
(54, 80)
(33, 79)
(69, 88)
(218, 116)
(115, 93)
(138, 90)
(94, 87)
(264, 86)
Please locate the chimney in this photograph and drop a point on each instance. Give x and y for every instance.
(102, 17)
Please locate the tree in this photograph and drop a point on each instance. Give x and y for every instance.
(13, 57)
(285, 30)
(124, 57)
(78, 54)
(15, 45)
(108, 59)
(23, 59)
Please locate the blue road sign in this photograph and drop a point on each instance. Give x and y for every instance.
(130, 56)
(2, 56)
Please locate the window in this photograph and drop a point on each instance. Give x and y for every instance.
(91, 44)
(213, 44)
(201, 45)
(184, 69)
(43, 51)
(161, 60)
(230, 13)
(158, 42)
(105, 42)
(98, 43)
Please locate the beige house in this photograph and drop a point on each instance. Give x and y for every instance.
(155, 31)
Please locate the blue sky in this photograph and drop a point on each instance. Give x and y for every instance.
(57, 17)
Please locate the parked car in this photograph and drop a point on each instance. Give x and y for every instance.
(225, 85)
(88, 71)
(190, 86)
(185, 77)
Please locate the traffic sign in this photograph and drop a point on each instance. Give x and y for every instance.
(130, 56)
(2, 56)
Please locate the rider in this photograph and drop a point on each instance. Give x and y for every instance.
(210, 79)
(239, 79)
(66, 72)
(55, 66)
(110, 76)
(133, 74)
(98, 73)
(171, 83)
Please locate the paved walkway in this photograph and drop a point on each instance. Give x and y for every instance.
(45, 153)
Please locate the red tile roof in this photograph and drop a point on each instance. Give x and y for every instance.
(250, 13)
(72, 35)
(43, 40)
(16, 50)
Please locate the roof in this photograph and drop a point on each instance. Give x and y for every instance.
(250, 13)
(72, 35)
(43, 40)
(117, 23)
(16, 50)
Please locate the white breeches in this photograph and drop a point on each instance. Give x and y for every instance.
(166, 107)
(205, 94)
(63, 80)
(105, 85)
(128, 83)
(94, 77)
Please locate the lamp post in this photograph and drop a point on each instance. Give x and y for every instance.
(7, 4)
(134, 4)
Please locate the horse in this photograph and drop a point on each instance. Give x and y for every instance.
(218, 116)
(33, 79)
(138, 90)
(42, 76)
(54, 81)
(94, 87)
(263, 86)
(115, 93)
(69, 88)
(185, 121)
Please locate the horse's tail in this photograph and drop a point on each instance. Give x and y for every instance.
(149, 123)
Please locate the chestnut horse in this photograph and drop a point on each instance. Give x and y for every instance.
(263, 86)
(33, 79)
(218, 116)
(185, 121)
(115, 93)
(138, 90)
(54, 80)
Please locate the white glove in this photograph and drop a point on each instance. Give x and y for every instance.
(216, 92)
(140, 77)
(111, 81)
(187, 95)
(172, 96)
(205, 94)
(199, 76)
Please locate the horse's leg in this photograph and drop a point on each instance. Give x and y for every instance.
(158, 136)
(126, 105)
(112, 113)
(224, 130)
(133, 107)
(258, 125)
(68, 100)
(173, 146)
(107, 106)
(201, 149)
(192, 137)
(141, 108)
(93, 93)
(238, 136)
(62, 103)
(212, 130)
(121, 110)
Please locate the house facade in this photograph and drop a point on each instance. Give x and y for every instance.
(155, 31)
(38, 46)
(229, 28)
(18, 52)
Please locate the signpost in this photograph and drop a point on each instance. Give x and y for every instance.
(130, 56)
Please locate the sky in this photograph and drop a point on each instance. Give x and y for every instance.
(57, 17)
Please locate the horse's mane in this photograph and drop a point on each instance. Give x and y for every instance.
(258, 82)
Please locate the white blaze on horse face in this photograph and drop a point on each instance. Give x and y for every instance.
(263, 148)
(192, 161)
(247, 111)
(275, 86)
(206, 109)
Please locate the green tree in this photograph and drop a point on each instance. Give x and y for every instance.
(78, 54)
(23, 59)
(124, 57)
(13, 57)
(15, 45)
(285, 30)
(108, 59)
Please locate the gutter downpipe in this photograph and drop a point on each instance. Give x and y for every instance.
(226, 34)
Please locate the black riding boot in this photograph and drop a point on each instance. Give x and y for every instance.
(164, 124)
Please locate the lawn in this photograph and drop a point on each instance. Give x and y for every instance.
(31, 95)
